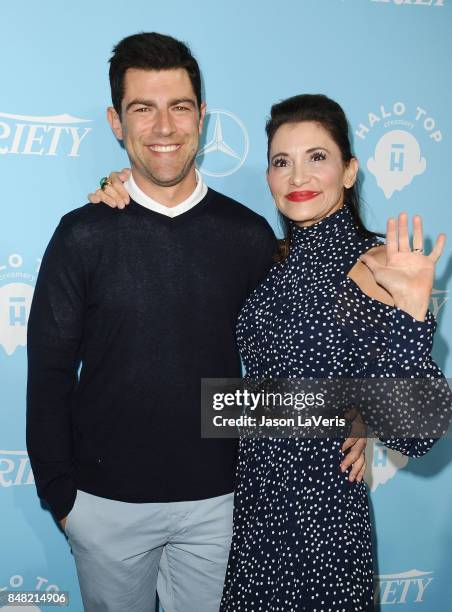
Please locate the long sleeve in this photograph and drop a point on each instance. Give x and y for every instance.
(419, 399)
(54, 338)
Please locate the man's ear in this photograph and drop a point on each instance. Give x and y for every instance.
(202, 114)
(115, 122)
(351, 172)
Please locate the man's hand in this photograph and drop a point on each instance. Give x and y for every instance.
(356, 446)
(113, 194)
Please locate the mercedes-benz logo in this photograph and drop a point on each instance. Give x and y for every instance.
(223, 155)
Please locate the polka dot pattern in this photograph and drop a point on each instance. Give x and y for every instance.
(301, 538)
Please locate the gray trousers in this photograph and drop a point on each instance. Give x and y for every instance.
(126, 552)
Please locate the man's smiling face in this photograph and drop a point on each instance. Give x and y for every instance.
(160, 124)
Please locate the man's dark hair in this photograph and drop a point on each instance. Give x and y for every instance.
(150, 51)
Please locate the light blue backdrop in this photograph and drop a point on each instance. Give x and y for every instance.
(386, 61)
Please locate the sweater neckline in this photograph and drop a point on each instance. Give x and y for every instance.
(172, 221)
(142, 198)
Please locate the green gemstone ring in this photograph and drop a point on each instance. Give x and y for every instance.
(104, 182)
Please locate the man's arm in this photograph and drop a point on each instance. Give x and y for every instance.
(262, 249)
(55, 330)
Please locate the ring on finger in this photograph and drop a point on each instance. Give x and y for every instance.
(421, 251)
(105, 182)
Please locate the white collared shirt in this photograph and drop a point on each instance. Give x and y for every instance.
(141, 198)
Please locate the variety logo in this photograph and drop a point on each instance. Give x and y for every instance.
(437, 300)
(15, 469)
(406, 587)
(227, 144)
(15, 301)
(397, 158)
(381, 463)
(413, 2)
(49, 136)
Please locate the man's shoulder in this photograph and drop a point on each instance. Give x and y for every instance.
(235, 211)
(87, 219)
(87, 214)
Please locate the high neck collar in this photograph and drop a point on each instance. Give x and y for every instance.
(330, 228)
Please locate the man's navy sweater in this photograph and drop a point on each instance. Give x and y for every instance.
(147, 305)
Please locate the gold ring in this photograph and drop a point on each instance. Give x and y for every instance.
(104, 182)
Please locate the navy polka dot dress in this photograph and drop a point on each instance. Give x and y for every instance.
(301, 538)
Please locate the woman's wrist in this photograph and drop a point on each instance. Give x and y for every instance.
(417, 309)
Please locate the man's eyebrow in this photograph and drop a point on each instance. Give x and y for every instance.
(140, 101)
(177, 101)
(174, 102)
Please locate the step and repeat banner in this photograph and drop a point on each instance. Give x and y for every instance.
(387, 62)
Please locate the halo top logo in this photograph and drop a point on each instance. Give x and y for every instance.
(15, 303)
(227, 144)
(382, 463)
(49, 136)
(397, 158)
(400, 152)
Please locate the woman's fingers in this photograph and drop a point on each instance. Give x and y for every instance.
(110, 197)
(100, 196)
(391, 237)
(124, 174)
(398, 239)
(114, 193)
(354, 454)
(438, 248)
(94, 198)
(356, 469)
(404, 235)
(349, 442)
(116, 188)
(418, 237)
(361, 473)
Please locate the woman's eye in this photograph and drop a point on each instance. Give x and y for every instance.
(318, 156)
(279, 162)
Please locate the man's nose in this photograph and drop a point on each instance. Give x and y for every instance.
(164, 124)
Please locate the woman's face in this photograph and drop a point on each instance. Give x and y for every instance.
(306, 173)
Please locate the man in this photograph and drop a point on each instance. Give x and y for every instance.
(146, 301)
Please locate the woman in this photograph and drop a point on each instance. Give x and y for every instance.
(337, 304)
(301, 536)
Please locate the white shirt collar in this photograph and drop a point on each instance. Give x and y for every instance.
(141, 198)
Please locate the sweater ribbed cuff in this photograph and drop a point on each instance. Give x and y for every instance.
(60, 496)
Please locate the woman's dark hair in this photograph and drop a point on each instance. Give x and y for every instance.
(327, 113)
(150, 51)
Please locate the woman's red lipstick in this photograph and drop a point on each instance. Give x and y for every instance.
(301, 196)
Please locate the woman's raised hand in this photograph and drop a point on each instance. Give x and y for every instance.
(407, 273)
(114, 193)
